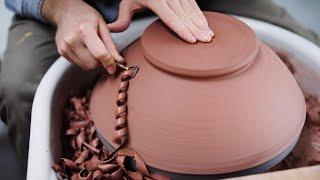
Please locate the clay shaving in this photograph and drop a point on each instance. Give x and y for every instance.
(84, 156)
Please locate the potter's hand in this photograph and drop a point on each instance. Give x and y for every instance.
(182, 16)
(82, 36)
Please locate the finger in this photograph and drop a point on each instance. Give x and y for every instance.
(95, 45)
(108, 42)
(163, 10)
(64, 50)
(73, 58)
(192, 4)
(76, 60)
(196, 15)
(82, 52)
(200, 34)
(124, 18)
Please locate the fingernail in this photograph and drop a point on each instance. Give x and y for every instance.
(209, 36)
(206, 37)
(191, 38)
(120, 59)
(111, 69)
(211, 33)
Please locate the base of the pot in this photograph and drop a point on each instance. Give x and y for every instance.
(254, 170)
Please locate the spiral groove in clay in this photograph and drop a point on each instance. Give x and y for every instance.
(122, 134)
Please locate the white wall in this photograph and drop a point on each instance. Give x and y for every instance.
(307, 12)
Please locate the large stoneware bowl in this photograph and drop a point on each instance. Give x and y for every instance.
(205, 108)
(63, 80)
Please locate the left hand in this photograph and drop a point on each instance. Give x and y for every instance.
(184, 17)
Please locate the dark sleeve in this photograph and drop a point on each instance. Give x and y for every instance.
(108, 8)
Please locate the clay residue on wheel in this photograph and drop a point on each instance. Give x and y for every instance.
(84, 156)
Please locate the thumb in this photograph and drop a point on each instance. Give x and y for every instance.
(124, 18)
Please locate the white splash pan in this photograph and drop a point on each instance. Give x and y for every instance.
(64, 79)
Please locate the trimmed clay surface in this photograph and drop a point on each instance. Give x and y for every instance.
(234, 47)
(205, 125)
(306, 152)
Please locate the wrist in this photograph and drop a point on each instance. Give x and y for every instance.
(53, 10)
(48, 10)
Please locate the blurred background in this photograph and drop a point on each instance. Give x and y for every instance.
(306, 12)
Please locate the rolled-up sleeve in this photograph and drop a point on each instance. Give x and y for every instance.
(27, 8)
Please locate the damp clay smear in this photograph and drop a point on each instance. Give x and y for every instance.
(84, 156)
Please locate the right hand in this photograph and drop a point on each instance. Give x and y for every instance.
(82, 35)
(184, 17)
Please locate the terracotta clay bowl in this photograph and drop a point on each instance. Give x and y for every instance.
(205, 109)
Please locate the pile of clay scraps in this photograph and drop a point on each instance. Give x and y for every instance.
(84, 156)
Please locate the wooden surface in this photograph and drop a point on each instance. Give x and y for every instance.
(306, 173)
